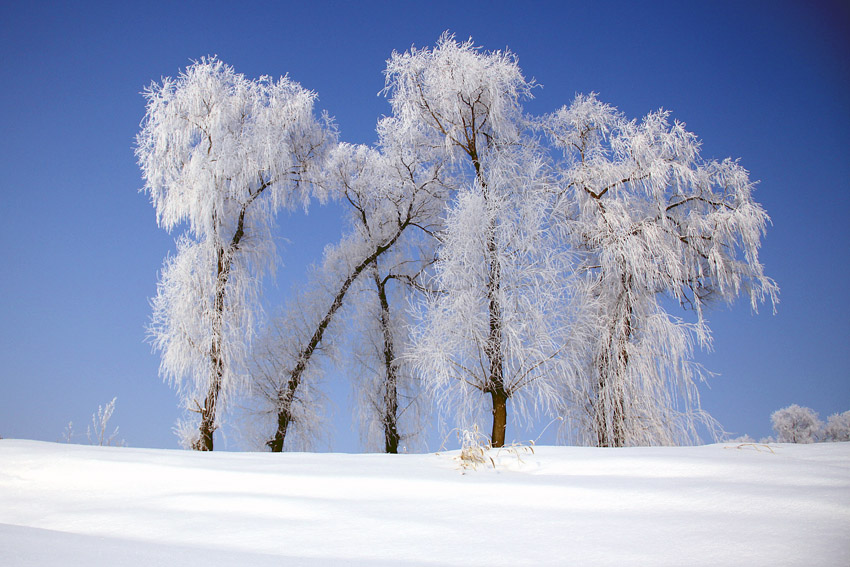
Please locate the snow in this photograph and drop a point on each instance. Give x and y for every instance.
(712, 505)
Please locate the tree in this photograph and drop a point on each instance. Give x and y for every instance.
(220, 154)
(97, 432)
(487, 330)
(389, 397)
(68, 433)
(379, 375)
(390, 196)
(795, 424)
(651, 223)
(837, 427)
(276, 351)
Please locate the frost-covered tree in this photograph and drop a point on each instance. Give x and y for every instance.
(278, 347)
(98, 432)
(652, 223)
(390, 400)
(68, 433)
(389, 195)
(220, 154)
(492, 328)
(796, 424)
(837, 427)
(388, 394)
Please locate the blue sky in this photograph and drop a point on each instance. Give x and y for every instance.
(766, 82)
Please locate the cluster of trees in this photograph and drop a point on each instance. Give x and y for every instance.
(493, 261)
(797, 424)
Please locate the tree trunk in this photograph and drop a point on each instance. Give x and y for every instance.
(390, 406)
(500, 418)
(208, 412)
(283, 419)
(207, 427)
(224, 261)
(610, 410)
(495, 383)
(613, 366)
(495, 379)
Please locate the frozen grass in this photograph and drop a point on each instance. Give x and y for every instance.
(714, 505)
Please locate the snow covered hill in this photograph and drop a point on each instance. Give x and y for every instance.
(713, 505)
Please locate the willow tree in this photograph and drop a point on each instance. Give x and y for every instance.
(220, 155)
(653, 224)
(485, 332)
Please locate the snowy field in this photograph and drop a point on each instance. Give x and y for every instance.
(713, 505)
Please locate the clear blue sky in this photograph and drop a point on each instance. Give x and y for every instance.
(766, 82)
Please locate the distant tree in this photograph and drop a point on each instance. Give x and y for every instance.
(97, 433)
(649, 220)
(488, 329)
(221, 154)
(837, 427)
(68, 433)
(796, 424)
